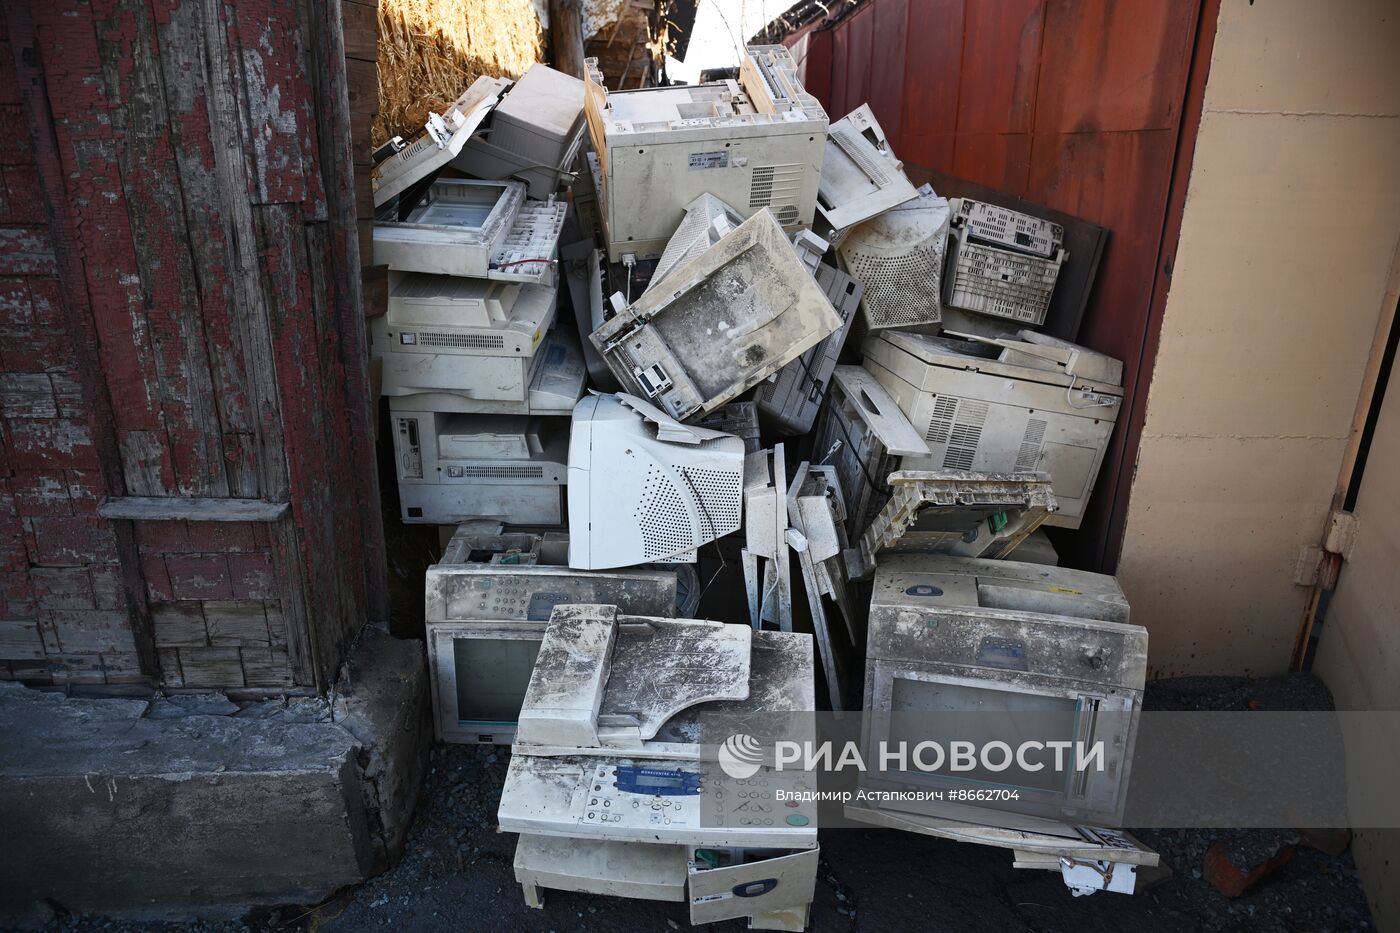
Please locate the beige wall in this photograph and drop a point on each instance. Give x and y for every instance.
(1358, 653)
(1287, 248)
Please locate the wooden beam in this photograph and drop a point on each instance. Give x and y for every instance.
(566, 34)
(190, 509)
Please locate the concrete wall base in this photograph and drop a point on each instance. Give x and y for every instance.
(198, 806)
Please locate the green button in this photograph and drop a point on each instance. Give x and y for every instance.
(797, 819)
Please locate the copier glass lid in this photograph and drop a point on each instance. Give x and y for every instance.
(604, 680)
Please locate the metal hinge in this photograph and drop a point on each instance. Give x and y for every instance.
(1318, 564)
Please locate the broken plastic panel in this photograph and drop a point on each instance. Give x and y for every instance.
(723, 322)
(603, 679)
(1002, 263)
(898, 255)
(737, 418)
(860, 175)
(646, 487)
(707, 218)
(583, 268)
(956, 512)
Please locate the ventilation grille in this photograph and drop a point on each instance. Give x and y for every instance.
(461, 341)
(1003, 284)
(857, 148)
(945, 407)
(504, 472)
(720, 495)
(965, 436)
(1029, 453)
(662, 516)
(957, 423)
(900, 290)
(778, 187)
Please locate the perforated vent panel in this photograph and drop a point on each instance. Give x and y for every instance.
(662, 516)
(720, 494)
(503, 472)
(851, 143)
(900, 290)
(463, 341)
(778, 187)
(966, 435)
(1003, 284)
(940, 425)
(1029, 451)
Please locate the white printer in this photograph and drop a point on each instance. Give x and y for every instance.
(1003, 404)
(534, 132)
(754, 143)
(453, 468)
(613, 792)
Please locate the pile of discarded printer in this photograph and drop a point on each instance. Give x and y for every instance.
(723, 250)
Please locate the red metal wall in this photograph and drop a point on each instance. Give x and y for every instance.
(1076, 104)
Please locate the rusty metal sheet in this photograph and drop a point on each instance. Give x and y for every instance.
(860, 29)
(1075, 104)
(932, 73)
(1113, 66)
(1000, 66)
(885, 94)
(840, 53)
(997, 160)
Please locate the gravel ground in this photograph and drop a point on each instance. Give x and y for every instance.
(456, 872)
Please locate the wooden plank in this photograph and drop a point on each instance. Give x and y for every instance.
(179, 625)
(186, 77)
(184, 508)
(248, 304)
(211, 667)
(70, 298)
(160, 244)
(89, 149)
(359, 465)
(240, 622)
(19, 640)
(266, 667)
(360, 24)
(278, 130)
(374, 281)
(361, 132)
(363, 86)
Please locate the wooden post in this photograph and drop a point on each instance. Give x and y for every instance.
(566, 34)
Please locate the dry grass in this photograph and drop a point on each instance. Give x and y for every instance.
(431, 50)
